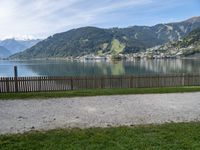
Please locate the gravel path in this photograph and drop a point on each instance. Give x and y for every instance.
(100, 111)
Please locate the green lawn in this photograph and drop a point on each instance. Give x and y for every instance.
(96, 92)
(173, 136)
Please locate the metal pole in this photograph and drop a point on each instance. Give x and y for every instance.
(15, 78)
(15, 71)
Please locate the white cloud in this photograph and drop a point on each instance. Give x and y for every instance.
(41, 18)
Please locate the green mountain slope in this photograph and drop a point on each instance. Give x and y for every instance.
(185, 47)
(92, 40)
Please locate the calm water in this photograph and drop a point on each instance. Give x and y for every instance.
(65, 68)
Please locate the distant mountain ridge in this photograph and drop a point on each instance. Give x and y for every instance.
(4, 52)
(15, 46)
(93, 40)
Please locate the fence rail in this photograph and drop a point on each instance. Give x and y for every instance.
(37, 84)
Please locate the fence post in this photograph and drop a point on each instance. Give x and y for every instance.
(121, 81)
(86, 84)
(183, 79)
(7, 85)
(131, 81)
(15, 78)
(40, 82)
(102, 83)
(110, 81)
(72, 86)
(0, 84)
(95, 84)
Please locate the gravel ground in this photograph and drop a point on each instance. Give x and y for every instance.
(18, 116)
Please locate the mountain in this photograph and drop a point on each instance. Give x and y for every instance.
(4, 52)
(12, 45)
(92, 40)
(29, 43)
(15, 46)
(188, 46)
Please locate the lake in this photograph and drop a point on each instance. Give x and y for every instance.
(69, 68)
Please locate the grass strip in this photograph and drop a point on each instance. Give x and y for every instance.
(171, 136)
(97, 92)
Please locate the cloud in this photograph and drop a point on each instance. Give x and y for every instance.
(41, 18)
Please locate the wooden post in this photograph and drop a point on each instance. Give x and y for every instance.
(131, 82)
(72, 86)
(39, 84)
(15, 78)
(0, 84)
(102, 84)
(183, 79)
(86, 84)
(15, 71)
(7, 85)
(110, 81)
(121, 81)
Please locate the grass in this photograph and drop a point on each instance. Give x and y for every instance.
(171, 136)
(117, 47)
(97, 92)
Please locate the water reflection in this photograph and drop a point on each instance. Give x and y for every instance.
(65, 68)
(172, 66)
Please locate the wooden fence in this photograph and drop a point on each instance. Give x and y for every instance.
(37, 84)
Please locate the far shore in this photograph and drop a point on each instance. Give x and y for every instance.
(103, 60)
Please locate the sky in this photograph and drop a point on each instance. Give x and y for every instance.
(41, 18)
